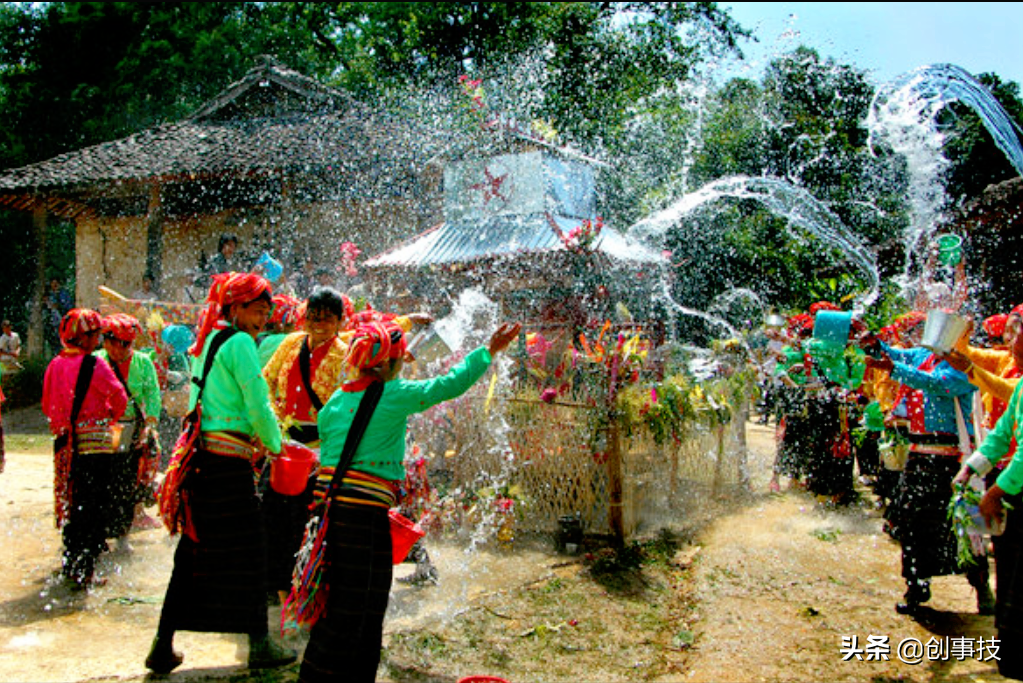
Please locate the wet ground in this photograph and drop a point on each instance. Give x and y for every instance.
(767, 591)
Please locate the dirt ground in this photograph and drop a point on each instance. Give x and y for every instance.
(758, 587)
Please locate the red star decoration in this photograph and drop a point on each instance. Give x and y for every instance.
(491, 187)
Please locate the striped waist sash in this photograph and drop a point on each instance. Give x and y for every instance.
(358, 488)
(229, 444)
(94, 439)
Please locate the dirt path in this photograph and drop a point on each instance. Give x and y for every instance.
(780, 585)
(767, 593)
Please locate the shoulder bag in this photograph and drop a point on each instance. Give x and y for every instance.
(173, 497)
(308, 597)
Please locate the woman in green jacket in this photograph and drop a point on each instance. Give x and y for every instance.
(345, 641)
(218, 583)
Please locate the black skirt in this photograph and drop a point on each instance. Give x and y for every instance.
(344, 645)
(920, 512)
(218, 583)
(1009, 589)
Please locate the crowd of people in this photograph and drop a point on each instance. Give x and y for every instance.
(854, 409)
(330, 382)
(916, 423)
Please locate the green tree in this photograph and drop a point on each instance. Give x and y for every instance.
(75, 74)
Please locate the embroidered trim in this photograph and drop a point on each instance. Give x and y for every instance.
(228, 444)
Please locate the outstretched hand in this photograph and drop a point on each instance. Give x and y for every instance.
(503, 336)
(963, 476)
(957, 361)
(420, 318)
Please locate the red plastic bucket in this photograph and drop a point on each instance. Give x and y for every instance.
(404, 534)
(289, 472)
(481, 679)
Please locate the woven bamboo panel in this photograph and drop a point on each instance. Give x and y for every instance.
(557, 462)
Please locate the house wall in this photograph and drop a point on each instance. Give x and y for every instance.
(112, 251)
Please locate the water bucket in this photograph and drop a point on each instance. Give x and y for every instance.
(270, 266)
(942, 330)
(404, 534)
(289, 472)
(482, 679)
(894, 455)
(178, 337)
(996, 529)
(570, 536)
(832, 326)
(950, 249)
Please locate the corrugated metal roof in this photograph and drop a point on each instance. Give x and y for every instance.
(505, 236)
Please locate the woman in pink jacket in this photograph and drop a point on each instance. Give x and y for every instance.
(82, 399)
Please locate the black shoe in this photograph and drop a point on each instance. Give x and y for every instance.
(162, 657)
(917, 593)
(266, 654)
(907, 607)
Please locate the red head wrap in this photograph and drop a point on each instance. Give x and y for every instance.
(374, 343)
(799, 322)
(887, 334)
(286, 310)
(907, 321)
(364, 317)
(78, 322)
(823, 306)
(995, 325)
(121, 326)
(228, 289)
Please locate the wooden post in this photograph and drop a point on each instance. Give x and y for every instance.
(741, 419)
(614, 480)
(719, 432)
(154, 236)
(34, 344)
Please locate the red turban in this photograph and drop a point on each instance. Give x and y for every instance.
(228, 289)
(78, 322)
(823, 306)
(364, 317)
(799, 322)
(374, 343)
(286, 310)
(995, 325)
(907, 321)
(121, 326)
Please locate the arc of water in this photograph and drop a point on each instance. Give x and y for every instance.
(903, 114)
(929, 89)
(793, 203)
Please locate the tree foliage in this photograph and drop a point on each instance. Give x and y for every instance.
(618, 80)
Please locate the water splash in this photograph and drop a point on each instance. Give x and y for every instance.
(793, 203)
(903, 116)
(473, 314)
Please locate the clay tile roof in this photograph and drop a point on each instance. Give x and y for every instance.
(274, 119)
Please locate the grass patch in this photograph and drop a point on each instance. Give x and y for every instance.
(827, 534)
(28, 443)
